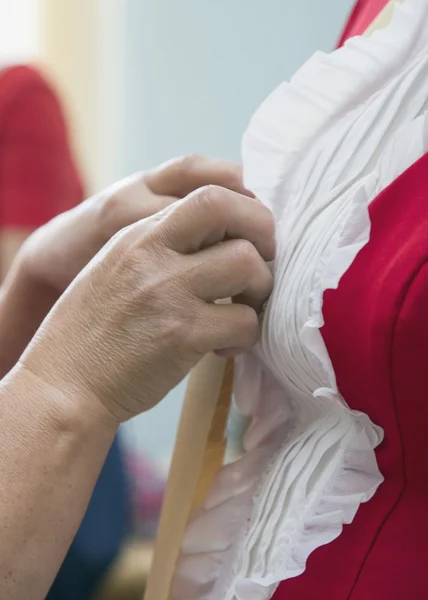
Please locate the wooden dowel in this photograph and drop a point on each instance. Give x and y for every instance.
(198, 454)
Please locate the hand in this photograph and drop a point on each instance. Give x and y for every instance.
(53, 256)
(57, 252)
(142, 313)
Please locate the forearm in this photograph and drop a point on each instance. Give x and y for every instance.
(24, 303)
(52, 447)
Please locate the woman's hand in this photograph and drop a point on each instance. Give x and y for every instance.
(142, 313)
(53, 256)
(57, 252)
(125, 331)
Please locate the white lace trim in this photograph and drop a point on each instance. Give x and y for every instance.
(318, 151)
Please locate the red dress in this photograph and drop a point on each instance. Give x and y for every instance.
(362, 16)
(380, 312)
(38, 177)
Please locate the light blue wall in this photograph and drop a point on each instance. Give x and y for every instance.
(193, 72)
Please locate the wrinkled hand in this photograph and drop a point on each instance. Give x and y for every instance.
(57, 252)
(142, 313)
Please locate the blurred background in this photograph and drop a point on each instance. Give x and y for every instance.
(138, 82)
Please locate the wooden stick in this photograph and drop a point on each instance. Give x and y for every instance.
(215, 448)
(198, 455)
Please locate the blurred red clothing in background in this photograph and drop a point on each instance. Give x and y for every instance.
(38, 176)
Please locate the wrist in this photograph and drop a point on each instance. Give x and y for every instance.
(64, 407)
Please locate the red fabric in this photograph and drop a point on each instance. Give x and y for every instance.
(38, 178)
(376, 332)
(362, 16)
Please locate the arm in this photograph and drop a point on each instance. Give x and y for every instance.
(90, 365)
(24, 303)
(55, 254)
(52, 448)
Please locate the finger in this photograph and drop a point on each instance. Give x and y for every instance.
(181, 176)
(127, 202)
(233, 269)
(228, 326)
(212, 215)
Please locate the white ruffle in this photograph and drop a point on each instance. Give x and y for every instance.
(318, 151)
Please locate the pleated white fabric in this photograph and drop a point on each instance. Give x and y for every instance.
(317, 152)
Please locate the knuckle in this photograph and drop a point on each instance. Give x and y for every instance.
(210, 198)
(115, 252)
(209, 194)
(265, 279)
(233, 177)
(188, 163)
(265, 218)
(248, 324)
(246, 256)
(269, 223)
(268, 233)
(268, 285)
(118, 243)
(248, 318)
(132, 248)
(115, 203)
(111, 207)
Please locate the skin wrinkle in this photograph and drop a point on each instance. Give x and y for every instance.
(116, 337)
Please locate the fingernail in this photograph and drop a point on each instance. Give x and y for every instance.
(248, 193)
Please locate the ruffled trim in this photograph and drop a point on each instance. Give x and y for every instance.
(243, 542)
(315, 516)
(320, 93)
(354, 236)
(278, 543)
